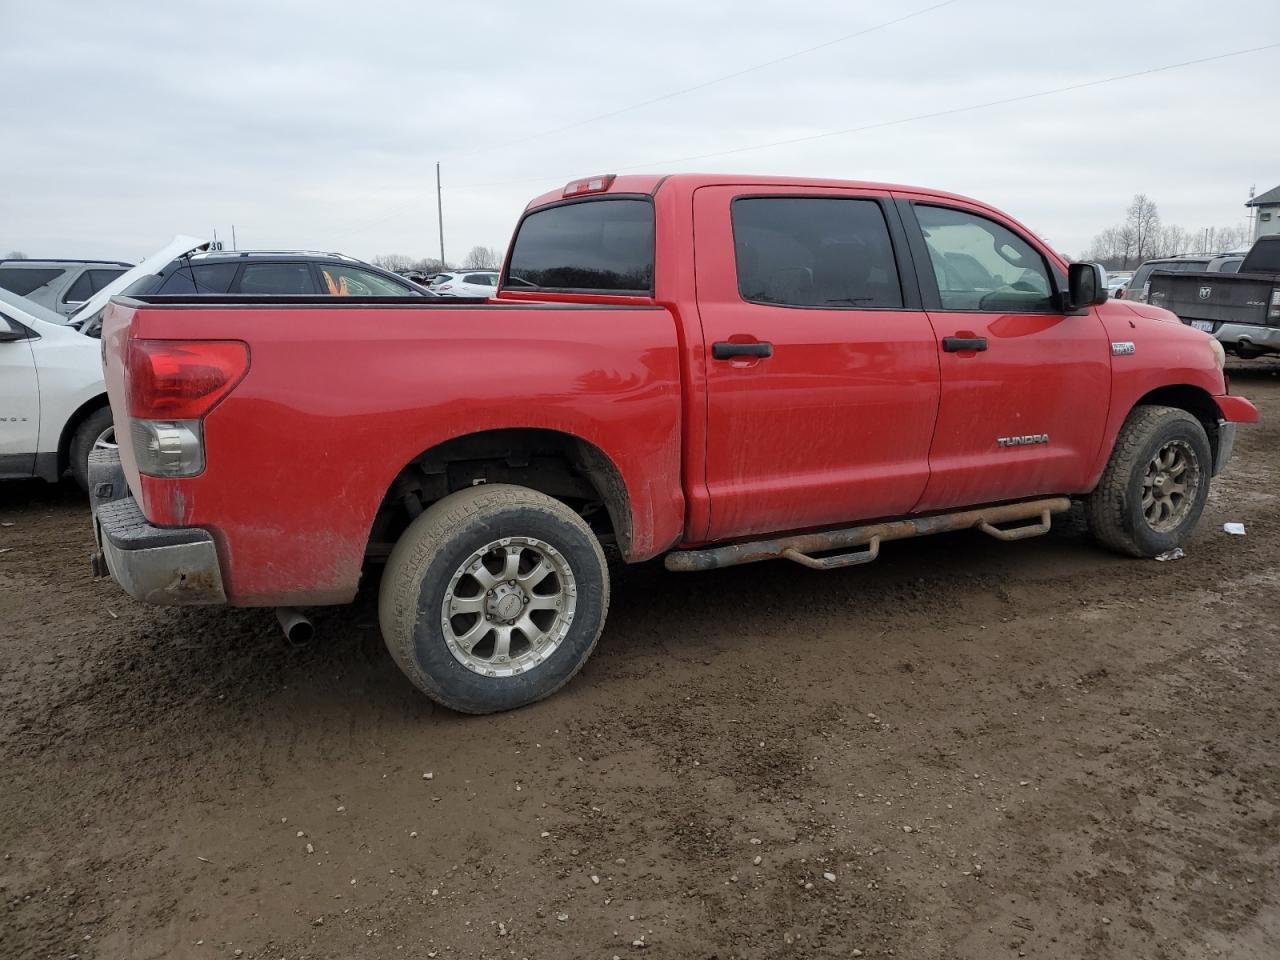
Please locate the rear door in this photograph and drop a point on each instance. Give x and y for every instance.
(822, 368)
(1025, 387)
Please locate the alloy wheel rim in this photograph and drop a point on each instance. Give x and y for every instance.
(508, 606)
(1170, 485)
(106, 440)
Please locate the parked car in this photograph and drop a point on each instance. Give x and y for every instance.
(1240, 308)
(1136, 289)
(859, 362)
(1117, 281)
(270, 273)
(466, 283)
(59, 285)
(53, 401)
(267, 273)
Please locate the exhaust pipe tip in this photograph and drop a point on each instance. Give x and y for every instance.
(297, 627)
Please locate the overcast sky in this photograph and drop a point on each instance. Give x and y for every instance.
(317, 124)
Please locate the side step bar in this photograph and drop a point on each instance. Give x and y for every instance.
(801, 547)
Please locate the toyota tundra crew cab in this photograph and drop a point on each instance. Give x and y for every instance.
(718, 369)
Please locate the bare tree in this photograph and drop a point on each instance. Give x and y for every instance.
(1143, 218)
(394, 262)
(16, 255)
(482, 258)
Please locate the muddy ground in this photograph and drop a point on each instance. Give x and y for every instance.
(967, 750)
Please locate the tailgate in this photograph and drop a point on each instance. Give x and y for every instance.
(1212, 297)
(116, 322)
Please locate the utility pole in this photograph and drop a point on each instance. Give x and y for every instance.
(1252, 212)
(440, 214)
(233, 236)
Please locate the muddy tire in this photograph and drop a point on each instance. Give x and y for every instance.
(95, 429)
(493, 598)
(1154, 487)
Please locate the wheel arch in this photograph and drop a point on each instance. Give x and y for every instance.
(1194, 400)
(560, 464)
(78, 416)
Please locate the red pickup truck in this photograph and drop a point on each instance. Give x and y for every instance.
(721, 369)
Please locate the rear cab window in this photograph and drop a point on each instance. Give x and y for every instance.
(602, 246)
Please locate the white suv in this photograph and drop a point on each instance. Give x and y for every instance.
(464, 283)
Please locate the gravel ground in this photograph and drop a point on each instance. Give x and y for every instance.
(966, 750)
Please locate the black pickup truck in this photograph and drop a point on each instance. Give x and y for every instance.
(1242, 310)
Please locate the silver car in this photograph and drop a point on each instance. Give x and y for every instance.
(59, 285)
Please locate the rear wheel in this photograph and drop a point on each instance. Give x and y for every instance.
(493, 598)
(96, 432)
(1154, 487)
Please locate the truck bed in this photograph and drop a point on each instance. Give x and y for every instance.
(342, 394)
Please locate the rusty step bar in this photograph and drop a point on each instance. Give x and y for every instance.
(801, 547)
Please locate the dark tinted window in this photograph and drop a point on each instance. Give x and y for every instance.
(982, 265)
(276, 279)
(89, 283)
(1230, 266)
(203, 278)
(597, 245)
(24, 280)
(480, 279)
(814, 252)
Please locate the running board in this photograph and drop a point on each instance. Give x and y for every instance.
(801, 547)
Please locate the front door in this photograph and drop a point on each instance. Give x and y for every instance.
(822, 368)
(19, 403)
(1025, 387)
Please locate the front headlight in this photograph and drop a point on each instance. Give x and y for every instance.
(1219, 354)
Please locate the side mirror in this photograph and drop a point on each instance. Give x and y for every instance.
(11, 330)
(1086, 285)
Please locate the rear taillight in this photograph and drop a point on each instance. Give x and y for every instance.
(1273, 311)
(180, 379)
(1146, 292)
(170, 385)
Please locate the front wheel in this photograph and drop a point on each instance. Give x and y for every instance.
(493, 598)
(1154, 487)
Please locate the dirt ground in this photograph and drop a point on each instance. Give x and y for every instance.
(967, 750)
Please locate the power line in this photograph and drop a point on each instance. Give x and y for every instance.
(901, 120)
(1021, 98)
(365, 225)
(709, 83)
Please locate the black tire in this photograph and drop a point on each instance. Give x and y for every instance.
(87, 434)
(436, 548)
(1115, 511)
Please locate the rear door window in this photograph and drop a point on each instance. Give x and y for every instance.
(26, 280)
(830, 252)
(343, 281)
(592, 246)
(480, 279)
(277, 279)
(89, 283)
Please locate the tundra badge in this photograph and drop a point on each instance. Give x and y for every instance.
(1022, 441)
(1122, 348)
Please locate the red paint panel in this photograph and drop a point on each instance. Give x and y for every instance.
(338, 400)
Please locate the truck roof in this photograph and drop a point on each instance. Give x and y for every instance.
(651, 182)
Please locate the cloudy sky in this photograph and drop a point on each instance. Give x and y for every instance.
(318, 124)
